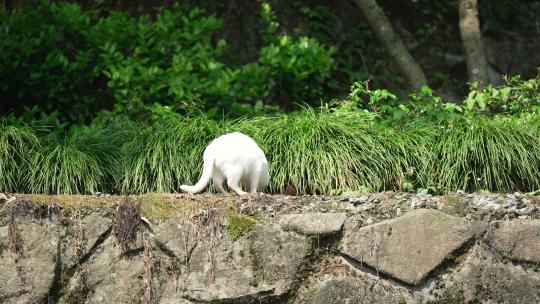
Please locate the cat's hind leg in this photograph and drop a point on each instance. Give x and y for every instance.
(233, 179)
(235, 187)
(259, 178)
(218, 180)
(255, 177)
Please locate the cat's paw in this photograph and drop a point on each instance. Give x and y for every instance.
(240, 192)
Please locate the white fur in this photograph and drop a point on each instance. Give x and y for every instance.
(236, 158)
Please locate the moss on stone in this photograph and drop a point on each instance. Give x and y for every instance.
(153, 205)
(158, 205)
(69, 202)
(450, 297)
(239, 225)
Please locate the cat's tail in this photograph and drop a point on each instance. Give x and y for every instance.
(204, 180)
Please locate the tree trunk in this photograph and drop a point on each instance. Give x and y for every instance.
(392, 43)
(469, 27)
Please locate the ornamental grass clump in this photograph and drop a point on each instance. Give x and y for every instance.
(496, 154)
(17, 143)
(407, 154)
(162, 157)
(81, 162)
(317, 152)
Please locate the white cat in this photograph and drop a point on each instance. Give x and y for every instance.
(234, 157)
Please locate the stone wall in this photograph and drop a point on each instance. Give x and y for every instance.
(380, 248)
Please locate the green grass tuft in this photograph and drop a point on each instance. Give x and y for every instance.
(17, 144)
(497, 154)
(79, 163)
(318, 152)
(409, 154)
(165, 156)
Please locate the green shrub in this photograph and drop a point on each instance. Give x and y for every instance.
(421, 105)
(77, 62)
(517, 96)
(48, 60)
(289, 69)
(171, 61)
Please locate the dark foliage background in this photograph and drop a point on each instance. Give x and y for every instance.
(237, 58)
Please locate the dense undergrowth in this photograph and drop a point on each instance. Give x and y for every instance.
(420, 144)
(370, 141)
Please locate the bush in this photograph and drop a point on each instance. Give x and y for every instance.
(48, 60)
(77, 62)
(516, 97)
(423, 105)
(289, 69)
(171, 61)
